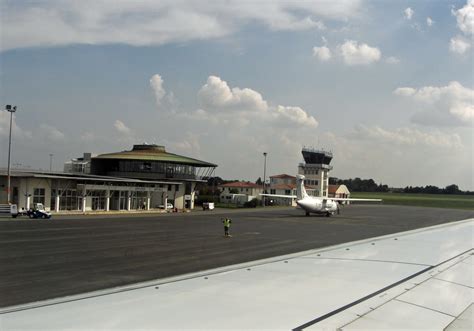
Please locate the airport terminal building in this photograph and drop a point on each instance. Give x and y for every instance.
(144, 178)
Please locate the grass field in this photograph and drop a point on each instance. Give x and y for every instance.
(423, 200)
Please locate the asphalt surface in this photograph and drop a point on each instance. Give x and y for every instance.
(44, 259)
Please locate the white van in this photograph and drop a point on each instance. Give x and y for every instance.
(9, 210)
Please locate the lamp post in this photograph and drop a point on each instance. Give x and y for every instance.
(11, 109)
(51, 162)
(264, 175)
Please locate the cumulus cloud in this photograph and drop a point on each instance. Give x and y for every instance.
(148, 22)
(156, 83)
(392, 60)
(405, 91)
(291, 24)
(217, 95)
(401, 156)
(429, 21)
(236, 106)
(189, 145)
(17, 131)
(465, 18)
(407, 137)
(165, 101)
(88, 136)
(355, 54)
(51, 133)
(322, 53)
(445, 105)
(459, 45)
(121, 127)
(295, 115)
(408, 13)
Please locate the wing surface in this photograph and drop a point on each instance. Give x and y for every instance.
(355, 199)
(411, 280)
(279, 196)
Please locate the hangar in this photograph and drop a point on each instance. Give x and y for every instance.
(143, 178)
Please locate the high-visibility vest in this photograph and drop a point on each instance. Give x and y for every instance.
(227, 222)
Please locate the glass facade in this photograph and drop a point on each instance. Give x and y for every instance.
(68, 199)
(169, 170)
(39, 195)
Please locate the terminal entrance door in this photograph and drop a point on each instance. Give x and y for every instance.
(97, 199)
(138, 200)
(118, 200)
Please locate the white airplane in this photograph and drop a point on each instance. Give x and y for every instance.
(315, 205)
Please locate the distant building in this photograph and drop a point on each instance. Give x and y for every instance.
(338, 191)
(240, 192)
(143, 178)
(282, 179)
(285, 185)
(81, 165)
(316, 168)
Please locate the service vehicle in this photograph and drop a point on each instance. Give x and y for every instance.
(38, 211)
(9, 210)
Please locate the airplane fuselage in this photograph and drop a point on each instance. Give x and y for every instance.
(317, 205)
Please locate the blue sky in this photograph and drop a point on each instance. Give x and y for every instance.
(386, 85)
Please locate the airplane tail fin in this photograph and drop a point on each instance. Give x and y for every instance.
(300, 190)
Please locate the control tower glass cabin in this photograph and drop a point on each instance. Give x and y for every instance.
(316, 168)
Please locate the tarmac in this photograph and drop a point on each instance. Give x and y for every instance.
(67, 255)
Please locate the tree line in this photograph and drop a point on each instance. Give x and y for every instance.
(360, 185)
(354, 185)
(369, 185)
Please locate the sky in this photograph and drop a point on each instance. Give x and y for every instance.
(387, 86)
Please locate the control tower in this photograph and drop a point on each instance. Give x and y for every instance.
(315, 168)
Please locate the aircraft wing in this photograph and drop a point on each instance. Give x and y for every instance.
(278, 196)
(420, 279)
(354, 199)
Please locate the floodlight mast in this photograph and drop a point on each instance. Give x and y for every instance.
(264, 173)
(11, 109)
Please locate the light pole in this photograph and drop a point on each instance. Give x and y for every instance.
(51, 162)
(11, 109)
(264, 176)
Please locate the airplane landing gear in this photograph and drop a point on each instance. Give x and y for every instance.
(307, 213)
(328, 214)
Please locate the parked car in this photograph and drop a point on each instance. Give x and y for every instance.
(207, 205)
(168, 206)
(38, 211)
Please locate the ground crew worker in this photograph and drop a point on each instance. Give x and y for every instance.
(226, 222)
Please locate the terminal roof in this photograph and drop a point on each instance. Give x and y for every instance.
(154, 153)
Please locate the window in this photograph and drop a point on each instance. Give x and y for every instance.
(68, 200)
(272, 191)
(39, 195)
(15, 195)
(53, 199)
(146, 166)
(287, 192)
